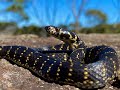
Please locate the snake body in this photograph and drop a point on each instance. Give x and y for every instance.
(84, 67)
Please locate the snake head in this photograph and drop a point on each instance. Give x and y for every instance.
(52, 30)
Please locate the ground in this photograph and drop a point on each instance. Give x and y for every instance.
(13, 77)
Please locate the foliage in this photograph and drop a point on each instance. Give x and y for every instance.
(17, 7)
(31, 30)
(96, 17)
(3, 25)
(105, 28)
(24, 30)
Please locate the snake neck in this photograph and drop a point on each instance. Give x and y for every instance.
(66, 36)
(77, 44)
(70, 38)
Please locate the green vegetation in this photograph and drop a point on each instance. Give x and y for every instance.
(31, 30)
(104, 28)
(96, 17)
(24, 30)
(17, 7)
(3, 25)
(96, 20)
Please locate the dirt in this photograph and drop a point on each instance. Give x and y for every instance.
(18, 78)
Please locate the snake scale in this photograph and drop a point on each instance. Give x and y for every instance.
(84, 67)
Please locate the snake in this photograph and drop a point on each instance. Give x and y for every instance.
(70, 63)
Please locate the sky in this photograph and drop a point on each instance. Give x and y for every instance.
(40, 12)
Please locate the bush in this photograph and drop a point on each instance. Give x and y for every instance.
(32, 30)
(102, 29)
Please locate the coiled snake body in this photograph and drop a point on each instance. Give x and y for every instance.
(83, 67)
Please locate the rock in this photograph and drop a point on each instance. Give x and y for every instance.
(18, 78)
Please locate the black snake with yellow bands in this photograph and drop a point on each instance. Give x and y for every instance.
(83, 67)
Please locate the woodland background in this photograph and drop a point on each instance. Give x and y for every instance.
(16, 16)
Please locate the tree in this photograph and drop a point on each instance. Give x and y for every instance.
(44, 12)
(96, 17)
(77, 12)
(4, 25)
(16, 7)
(14, 11)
